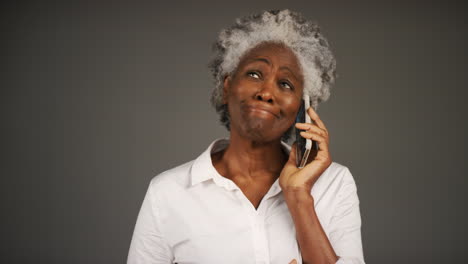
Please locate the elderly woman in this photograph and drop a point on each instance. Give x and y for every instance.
(244, 200)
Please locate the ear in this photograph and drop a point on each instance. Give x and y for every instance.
(226, 84)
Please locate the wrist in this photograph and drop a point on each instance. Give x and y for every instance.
(297, 194)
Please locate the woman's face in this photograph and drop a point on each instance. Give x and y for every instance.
(264, 94)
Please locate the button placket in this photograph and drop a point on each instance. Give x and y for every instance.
(262, 250)
(256, 219)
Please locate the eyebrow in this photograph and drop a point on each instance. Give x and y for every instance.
(259, 59)
(281, 68)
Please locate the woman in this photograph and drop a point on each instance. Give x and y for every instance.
(244, 200)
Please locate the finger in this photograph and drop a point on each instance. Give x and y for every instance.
(321, 141)
(316, 167)
(312, 127)
(293, 261)
(314, 116)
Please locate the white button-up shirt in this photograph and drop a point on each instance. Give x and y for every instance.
(192, 214)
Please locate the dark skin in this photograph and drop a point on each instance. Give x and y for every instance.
(262, 103)
(263, 98)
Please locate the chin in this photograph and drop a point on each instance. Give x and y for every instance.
(259, 131)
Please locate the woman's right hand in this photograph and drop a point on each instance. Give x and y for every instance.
(293, 261)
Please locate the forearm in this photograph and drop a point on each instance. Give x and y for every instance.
(313, 242)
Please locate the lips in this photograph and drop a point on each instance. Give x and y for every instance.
(262, 108)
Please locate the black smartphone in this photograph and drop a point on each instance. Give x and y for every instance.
(303, 146)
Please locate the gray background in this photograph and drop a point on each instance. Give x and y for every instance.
(99, 97)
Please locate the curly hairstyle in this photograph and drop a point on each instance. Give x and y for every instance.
(303, 37)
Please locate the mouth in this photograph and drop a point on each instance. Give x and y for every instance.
(259, 109)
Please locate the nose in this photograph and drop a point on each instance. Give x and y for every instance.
(265, 93)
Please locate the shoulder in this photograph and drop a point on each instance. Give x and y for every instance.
(338, 172)
(335, 180)
(173, 183)
(171, 180)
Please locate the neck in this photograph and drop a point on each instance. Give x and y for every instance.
(249, 158)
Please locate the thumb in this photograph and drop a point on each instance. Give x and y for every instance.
(290, 165)
(293, 261)
(292, 154)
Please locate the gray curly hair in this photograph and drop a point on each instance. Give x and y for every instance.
(303, 37)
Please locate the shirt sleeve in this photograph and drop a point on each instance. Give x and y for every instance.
(148, 244)
(345, 234)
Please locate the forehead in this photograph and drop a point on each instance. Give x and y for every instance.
(277, 52)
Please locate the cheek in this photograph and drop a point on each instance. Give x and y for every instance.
(290, 109)
(237, 90)
(291, 106)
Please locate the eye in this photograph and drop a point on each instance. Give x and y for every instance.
(286, 85)
(254, 74)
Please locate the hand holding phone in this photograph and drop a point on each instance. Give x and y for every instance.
(310, 158)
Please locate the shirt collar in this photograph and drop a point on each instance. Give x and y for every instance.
(203, 169)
